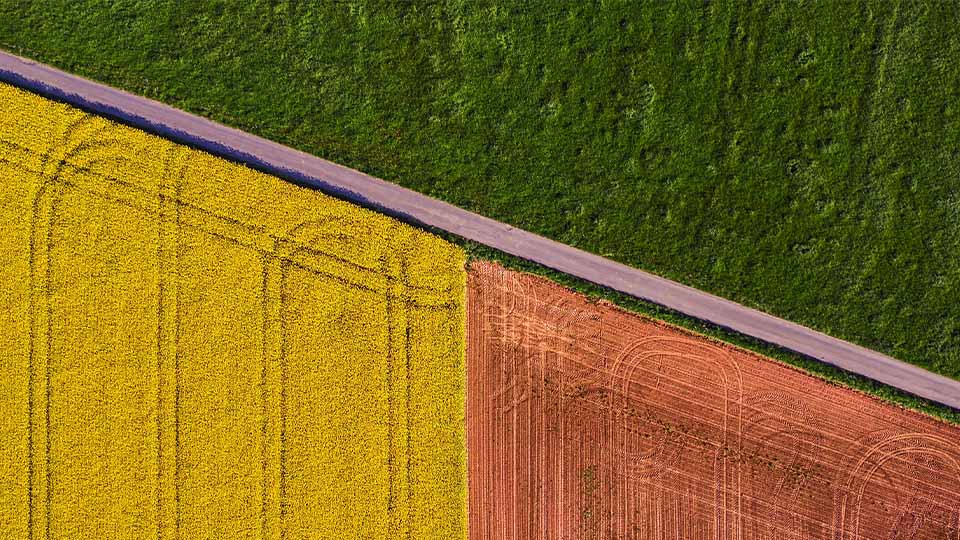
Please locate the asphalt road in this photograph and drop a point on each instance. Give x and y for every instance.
(419, 209)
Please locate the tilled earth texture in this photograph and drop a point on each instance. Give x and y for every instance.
(192, 349)
(586, 422)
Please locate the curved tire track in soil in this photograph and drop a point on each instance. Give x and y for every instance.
(588, 422)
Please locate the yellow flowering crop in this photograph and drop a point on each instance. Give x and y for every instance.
(193, 349)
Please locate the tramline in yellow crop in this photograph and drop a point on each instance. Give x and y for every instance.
(193, 349)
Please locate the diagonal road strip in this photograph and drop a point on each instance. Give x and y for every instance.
(407, 205)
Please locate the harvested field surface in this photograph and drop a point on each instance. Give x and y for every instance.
(587, 422)
(192, 349)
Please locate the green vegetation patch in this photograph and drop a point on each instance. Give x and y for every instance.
(802, 158)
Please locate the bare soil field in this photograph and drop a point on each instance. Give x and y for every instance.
(587, 422)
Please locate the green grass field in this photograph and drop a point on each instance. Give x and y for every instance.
(799, 157)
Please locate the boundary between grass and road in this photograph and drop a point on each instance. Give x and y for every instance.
(418, 209)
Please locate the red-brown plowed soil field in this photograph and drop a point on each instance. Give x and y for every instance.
(586, 422)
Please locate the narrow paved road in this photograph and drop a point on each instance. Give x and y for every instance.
(413, 207)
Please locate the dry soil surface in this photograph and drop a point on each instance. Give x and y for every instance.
(587, 422)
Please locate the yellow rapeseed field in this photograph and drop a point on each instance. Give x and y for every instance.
(193, 349)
